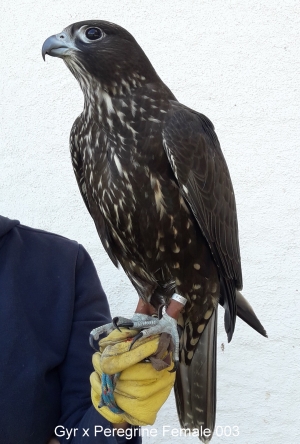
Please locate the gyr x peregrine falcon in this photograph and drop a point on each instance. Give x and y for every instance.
(153, 177)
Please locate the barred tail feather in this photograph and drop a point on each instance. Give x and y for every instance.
(195, 386)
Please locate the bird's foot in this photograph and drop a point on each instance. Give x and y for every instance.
(138, 321)
(151, 326)
(148, 325)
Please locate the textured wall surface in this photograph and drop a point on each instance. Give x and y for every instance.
(238, 63)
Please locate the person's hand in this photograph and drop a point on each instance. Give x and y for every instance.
(133, 391)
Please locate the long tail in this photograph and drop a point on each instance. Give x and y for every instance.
(195, 386)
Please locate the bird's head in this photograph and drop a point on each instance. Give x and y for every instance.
(101, 52)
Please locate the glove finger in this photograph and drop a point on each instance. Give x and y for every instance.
(143, 410)
(96, 361)
(141, 391)
(118, 357)
(144, 371)
(95, 381)
(96, 392)
(134, 386)
(117, 336)
(105, 411)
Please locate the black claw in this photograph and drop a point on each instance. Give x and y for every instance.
(127, 323)
(175, 368)
(160, 311)
(91, 341)
(135, 338)
(115, 323)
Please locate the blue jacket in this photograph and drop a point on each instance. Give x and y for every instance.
(50, 299)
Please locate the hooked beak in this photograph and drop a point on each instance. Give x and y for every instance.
(57, 45)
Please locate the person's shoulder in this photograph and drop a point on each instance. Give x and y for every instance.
(45, 234)
(47, 239)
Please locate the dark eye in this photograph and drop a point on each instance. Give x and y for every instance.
(93, 33)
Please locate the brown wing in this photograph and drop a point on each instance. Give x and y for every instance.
(86, 195)
(198, 163)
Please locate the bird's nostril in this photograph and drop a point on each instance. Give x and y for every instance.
(61, 36)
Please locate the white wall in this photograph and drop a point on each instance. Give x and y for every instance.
(238, 63)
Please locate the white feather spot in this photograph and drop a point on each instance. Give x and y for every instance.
(200, 328)
(196, 286)
(208, 314)
(121, 117)
(108, 102)
(110, 123)
(117, 213)
(183, 204)
(175, 248)
(129, 225)
(152, 119)
(118, 165)
(159, 198)
(133, 107)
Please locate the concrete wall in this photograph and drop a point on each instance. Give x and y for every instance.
(238, 63)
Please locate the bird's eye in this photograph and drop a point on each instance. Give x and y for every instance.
(93, 33)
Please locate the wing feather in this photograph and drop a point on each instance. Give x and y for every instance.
(198, 163)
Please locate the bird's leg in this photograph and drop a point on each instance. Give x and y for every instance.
(145, 308)
(142, 318)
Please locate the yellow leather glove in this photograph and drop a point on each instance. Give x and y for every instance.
(139, 390)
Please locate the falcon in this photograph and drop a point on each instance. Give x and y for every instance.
(153, 177)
